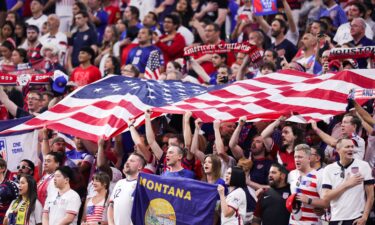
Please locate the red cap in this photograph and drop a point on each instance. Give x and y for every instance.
(294, 207)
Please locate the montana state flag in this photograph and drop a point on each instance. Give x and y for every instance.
(172, 201)
(264, 7)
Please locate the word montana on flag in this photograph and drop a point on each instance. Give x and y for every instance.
(102, 108)
(172, 200)
(286, 93)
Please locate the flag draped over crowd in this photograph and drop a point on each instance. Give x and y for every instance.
(172, 200)
(283, 93)
(103, 108)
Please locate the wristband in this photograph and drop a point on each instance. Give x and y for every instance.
(309, 201)
(131, 125)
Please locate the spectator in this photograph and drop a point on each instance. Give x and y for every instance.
(356, 10)
(7, 32)
(150, 21)
(8, 190)
(110, 47)
(267, 68)
(56, 38)
(347, 182)
(86, 73)
(139, 55)
(144, 7)
(258, 155)
(6, 49)
(113, 12)
(20, 33)
(64, 10)
(350, 126)
(308, 49)
(234, 205)
(26, 209)
(335, 12)
(306, 182)
(174, 158)
(270, 208)
(357, 31)
(282, 45)
(25, 167)
(129, 71)
(33, 102)
(32, 44)
(183, 8)
(38, 18)
(98, 16)
(68, 200)
(171, 42)
(121, 200)
(112, 66)
(84, 37)
(95, 209)
(131, 17)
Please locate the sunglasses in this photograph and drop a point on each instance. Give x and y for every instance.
(22, 167)
(342, 174)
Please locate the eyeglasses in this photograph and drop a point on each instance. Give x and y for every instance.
(34, 99)
(22, 167)
(342, 174)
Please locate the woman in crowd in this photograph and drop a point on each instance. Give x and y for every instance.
(234, 205)
(95, 211)
(7, 31)
(20, 33)
(19, 56)
(6, 49)
(109, 47)
(26, 209)
(112, 66)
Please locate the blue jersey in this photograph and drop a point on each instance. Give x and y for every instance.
(138, 56)
(182, 173)
(103, 17)
(79, 156)
(82, 39)
(337, 14)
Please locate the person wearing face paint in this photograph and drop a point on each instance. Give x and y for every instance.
(235, 205)
(291, 136)
(349, 186)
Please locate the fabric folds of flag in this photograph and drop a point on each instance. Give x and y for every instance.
(152, 70)
(283, 93)
(103, 108)
(173, 200)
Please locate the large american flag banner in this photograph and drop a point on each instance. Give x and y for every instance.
(103, 108)
(298, 95)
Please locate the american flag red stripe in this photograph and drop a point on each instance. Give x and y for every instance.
(152, 70)
(283, 93)
(102, 109)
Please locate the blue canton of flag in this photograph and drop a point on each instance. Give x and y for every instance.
(90, 210)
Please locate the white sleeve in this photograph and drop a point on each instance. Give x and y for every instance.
(327, 181)
(37, 214)
(234, 199)
(74, 204)
(367, 172)
(117, 186)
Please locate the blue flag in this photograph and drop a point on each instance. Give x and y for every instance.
(166, 200)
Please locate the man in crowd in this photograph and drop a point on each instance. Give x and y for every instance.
(33, 103)
(63, 206)
(85, 73)
(32, 44)
(121, 200)
(174, 157)
(349, 186)
(98, 16)
(283, 46)
(270, 208)
(38, 18)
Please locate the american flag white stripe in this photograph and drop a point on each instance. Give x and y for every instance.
(282, 93)
(152, 70)
(103, 108)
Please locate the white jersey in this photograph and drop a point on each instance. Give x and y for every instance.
(57, 206)
(225, 166)
(122, 198)
(308, 185)
(64, 8)
(38, 21)
(237, 201)
(343, 33)
(350, 204)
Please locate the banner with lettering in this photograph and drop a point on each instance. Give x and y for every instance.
(264, 7)
(171, 200)
(352, 53)
(19, 145)
(25, 79)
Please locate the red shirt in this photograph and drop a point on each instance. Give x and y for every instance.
(113, 13)
(82, 76)
(172, 49)
(287, 158)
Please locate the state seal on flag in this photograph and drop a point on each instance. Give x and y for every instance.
(160, 211)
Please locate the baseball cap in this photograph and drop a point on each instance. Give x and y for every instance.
(89, 50)
(294, 206)
(57, 140)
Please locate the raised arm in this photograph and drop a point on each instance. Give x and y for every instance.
(158, 152)
(101, 160)
(267, 133)
(263, 24)
(329, 140)
(220, 148)
(9, 105)
(364, 114)
(289, 16)
(141, 147)
(45, 142)
(199, 70)
(194, 149)
(243, 68)
(233, 143)
(187, 133)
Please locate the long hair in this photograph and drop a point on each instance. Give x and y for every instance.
(297, 132)
(216, 166)
(103, 178)
(238, 180)
(31, 194)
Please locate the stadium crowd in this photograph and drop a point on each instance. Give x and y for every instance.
(267, 172)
